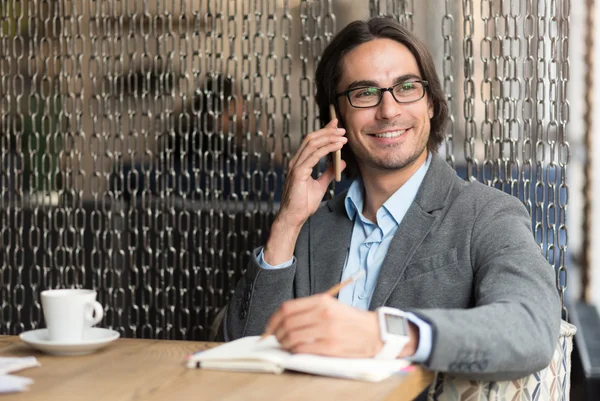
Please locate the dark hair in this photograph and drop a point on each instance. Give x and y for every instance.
(329, 72)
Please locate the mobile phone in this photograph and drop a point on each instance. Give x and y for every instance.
(337, 157)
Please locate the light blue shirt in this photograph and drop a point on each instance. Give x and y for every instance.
(369, 245)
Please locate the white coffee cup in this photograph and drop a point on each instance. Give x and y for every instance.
(69, 313)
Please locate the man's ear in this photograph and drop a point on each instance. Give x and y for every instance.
(430, 111)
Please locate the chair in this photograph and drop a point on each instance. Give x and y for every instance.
(549, 384)
(215, 327)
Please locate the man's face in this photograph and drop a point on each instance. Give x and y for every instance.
(389, 136)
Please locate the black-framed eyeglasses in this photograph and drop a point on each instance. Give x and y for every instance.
(370, 96)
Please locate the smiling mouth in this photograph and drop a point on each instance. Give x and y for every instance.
(391, 134)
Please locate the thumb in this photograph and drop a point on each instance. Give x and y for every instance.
(332, 124)
(329, 174)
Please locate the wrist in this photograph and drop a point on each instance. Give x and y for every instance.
(413, 343)
(287, 220)
(280, 246)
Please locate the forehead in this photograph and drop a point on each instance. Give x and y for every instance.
(380, 60)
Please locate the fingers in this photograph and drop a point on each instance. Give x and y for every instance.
(303, 320)
(317, 145)
(299, 328)
(297, 339)
(331, 125)
(316, 149)
(321, 325)
(295, 307)
(317, 347)
(329, 174)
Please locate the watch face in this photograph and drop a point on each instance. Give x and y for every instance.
(395, 324)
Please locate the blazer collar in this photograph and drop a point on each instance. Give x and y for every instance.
(436, 186)
(432, 194)
(417, 223)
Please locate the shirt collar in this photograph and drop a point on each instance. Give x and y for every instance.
(397, 204)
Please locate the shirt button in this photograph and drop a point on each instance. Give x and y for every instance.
(361, 296)
(368, 244)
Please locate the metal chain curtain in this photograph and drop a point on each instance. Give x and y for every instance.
(143, 144)
(519, 144)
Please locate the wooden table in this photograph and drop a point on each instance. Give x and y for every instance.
(132, 369)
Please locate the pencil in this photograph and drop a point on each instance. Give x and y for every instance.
(337, 157)
(333, 291)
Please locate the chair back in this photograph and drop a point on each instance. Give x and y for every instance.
(552, 383)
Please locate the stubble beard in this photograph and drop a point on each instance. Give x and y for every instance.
(388, 163)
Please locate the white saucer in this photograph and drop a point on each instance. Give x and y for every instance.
(95, 339)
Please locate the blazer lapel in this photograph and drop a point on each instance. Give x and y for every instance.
(415, 226)
(330, 233)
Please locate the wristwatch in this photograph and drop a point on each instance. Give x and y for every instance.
(393, 329)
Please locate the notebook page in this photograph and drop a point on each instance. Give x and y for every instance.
(252, 355)
(13, 384)
(246, 350)
(13, 364)
(367, 369)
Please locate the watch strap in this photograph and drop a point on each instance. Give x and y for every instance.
(392, 348)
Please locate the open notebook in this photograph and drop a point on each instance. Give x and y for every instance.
(248, 354)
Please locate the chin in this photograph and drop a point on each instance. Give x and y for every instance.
(398, 163)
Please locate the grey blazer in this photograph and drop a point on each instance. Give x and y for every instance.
(463, 259)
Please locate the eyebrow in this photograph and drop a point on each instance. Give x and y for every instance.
(369, 83)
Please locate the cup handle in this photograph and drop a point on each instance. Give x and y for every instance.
(94, 313)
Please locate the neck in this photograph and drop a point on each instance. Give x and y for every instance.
(380, 185)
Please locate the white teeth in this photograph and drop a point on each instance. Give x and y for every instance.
(392, 134)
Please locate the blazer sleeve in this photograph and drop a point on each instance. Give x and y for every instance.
(257, 296)
(513, 328)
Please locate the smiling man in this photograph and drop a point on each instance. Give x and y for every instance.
(452, 277)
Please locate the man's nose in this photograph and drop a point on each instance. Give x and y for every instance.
(388, 107)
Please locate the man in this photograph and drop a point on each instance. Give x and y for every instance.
(455, 259)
